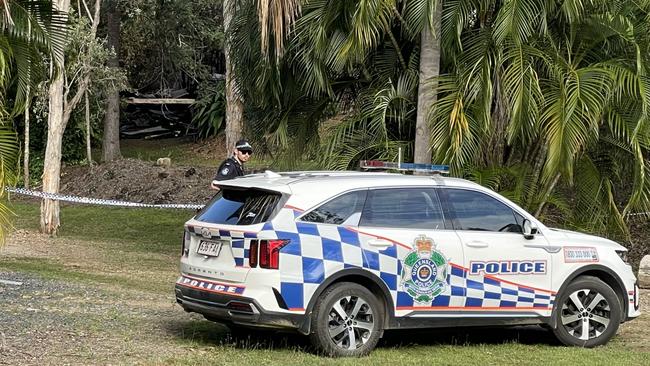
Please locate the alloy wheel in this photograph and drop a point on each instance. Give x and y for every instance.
(586, 314)
(351, 322)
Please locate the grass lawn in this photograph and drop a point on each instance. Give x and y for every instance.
(129, 258)
(143, 230)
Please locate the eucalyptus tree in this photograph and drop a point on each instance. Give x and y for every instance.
(65, 93)
(30, 31)
(111, 138)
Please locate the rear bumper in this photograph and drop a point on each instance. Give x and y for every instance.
(233, 309)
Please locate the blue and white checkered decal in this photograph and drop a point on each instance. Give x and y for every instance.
(316, 252)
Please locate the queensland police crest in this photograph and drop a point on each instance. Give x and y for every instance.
(424, 271)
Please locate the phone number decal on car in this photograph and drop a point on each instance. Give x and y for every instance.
(580, 254)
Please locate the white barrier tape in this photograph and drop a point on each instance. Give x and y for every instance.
(104, 202)
(639, 214)
(99, 201)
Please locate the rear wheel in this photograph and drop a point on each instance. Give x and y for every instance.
(347, 321)
(588, 313)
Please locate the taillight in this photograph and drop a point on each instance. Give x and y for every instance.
(252, 254)
(186, 244)
(269, 253)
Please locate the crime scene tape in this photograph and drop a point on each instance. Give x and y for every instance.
(100, 201)
(638, 214)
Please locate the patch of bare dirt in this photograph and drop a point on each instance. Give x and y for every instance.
(139, 181)
(211, 148)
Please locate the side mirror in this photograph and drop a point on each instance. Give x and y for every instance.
(529, 230)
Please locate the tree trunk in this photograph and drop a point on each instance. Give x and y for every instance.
(59, 114)
(111, 140)
(26, 152)
(234, 103)
(427, 97)
(52, 164)
(494, 148)
(89, 155)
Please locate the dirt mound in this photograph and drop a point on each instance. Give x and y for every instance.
(139, 181)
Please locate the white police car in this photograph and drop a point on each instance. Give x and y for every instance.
(342, 256)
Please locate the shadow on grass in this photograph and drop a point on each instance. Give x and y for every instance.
(208, 333)
(469, 336)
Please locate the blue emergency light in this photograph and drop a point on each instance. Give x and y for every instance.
(410, 167)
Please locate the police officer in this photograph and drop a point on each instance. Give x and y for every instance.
(232, 167)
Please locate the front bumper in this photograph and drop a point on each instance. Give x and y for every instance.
(233, 309)
(634, 308)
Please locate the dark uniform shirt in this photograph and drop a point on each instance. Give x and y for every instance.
(229, 169)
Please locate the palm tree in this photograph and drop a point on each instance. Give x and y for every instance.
(558, 87)
(340, 56)
(274, 20)
(533, 96)
(31, 29)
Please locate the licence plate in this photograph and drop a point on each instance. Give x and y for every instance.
(209, 248)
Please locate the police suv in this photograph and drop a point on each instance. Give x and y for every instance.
(342, 256)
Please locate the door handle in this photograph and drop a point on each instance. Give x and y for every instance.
(380, 243)
(476, 244)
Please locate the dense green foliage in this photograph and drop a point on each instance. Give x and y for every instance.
(209, 112)
(546, 101)
(83, 54)
(164, 45)
(171, 44)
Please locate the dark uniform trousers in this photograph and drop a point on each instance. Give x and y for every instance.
(229, 169)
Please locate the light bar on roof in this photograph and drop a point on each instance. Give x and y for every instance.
(411, 167)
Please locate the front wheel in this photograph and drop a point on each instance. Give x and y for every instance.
(588, 313)
(347, 321)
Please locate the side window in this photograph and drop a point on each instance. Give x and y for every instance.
(337, 210)
(478, 211)
(403, 208)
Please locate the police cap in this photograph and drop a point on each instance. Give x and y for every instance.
(243, 145)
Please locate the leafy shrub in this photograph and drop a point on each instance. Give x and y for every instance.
(209, 112)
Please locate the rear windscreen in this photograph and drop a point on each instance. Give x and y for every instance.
(240, 207)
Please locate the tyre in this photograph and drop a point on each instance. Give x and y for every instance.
(347, 321)
(588, 313)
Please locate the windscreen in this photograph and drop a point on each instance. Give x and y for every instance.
(240, 207)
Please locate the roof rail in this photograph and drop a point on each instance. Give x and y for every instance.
(405, 167)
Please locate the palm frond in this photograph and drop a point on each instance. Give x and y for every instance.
(276, 17)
